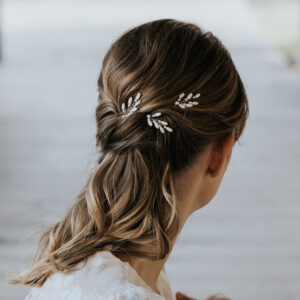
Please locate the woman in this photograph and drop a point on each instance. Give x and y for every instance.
(171, 107)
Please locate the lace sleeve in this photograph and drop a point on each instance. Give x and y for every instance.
(128, 292)
(131, 292)
(105, 281)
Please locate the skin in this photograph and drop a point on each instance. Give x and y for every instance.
(195, 188)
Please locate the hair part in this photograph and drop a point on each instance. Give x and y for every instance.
(129, 201)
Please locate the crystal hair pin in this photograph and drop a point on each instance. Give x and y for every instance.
(152, 119)
(131, 107)
(159, 124)
(186, 102)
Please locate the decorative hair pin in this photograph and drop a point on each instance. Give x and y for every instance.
(186, 102)
(133, 107)
(152, 118)
(159, 124)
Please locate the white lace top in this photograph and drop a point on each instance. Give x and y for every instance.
(104, 277)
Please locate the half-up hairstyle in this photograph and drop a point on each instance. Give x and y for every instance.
(129, 201)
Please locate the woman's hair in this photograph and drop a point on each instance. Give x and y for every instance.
(129, 200)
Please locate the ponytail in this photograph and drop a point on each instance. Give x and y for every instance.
(121, 207)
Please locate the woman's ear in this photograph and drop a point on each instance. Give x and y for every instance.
(220, 155)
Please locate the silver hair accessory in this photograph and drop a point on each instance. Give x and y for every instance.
(133, 107)
(152, 119)
(186, 102)
(159, 124)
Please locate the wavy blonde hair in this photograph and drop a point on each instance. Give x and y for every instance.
(129, 200)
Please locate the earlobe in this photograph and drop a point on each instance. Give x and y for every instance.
(220, 154)
(214, 172)
(215, 162)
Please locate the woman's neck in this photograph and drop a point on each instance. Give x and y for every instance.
(148, 270)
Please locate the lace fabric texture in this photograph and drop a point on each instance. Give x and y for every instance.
(103, 277)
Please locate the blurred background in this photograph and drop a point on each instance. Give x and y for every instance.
(246, 242)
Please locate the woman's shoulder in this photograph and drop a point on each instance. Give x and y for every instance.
(125, 291)
(100, 278)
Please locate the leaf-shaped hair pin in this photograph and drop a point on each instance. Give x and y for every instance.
(187, 102)
(159, 124)
(131, 106)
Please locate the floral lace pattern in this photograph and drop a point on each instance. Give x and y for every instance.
(103, 277)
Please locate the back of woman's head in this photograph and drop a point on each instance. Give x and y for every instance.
(129, 201)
